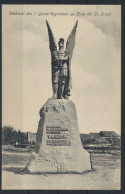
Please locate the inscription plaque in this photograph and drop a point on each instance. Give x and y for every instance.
(57, 136)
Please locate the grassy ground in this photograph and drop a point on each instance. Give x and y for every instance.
(105, 177)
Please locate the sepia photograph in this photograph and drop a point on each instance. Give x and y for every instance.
(61, 97)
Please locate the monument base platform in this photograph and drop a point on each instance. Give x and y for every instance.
(58, 146)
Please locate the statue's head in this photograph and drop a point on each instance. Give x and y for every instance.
(61, 43)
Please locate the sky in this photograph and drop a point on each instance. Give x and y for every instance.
(95, 65)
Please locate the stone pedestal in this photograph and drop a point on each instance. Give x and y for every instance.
(58, 147)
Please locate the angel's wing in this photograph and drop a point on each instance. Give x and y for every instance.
(52, 42)
(71, 41)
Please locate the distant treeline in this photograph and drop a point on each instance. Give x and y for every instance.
(10, 136)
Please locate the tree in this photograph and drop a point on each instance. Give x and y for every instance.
(8, 134)
(11, 136)
(21, 137)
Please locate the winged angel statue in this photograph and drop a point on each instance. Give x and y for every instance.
(61, 63)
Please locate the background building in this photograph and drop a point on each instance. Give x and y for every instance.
(103, 137)
(31, 137)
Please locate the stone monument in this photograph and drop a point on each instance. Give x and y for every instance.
(58, 147)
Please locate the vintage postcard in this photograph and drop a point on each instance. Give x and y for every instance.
(61, 97)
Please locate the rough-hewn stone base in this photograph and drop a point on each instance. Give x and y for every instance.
(58, 148)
